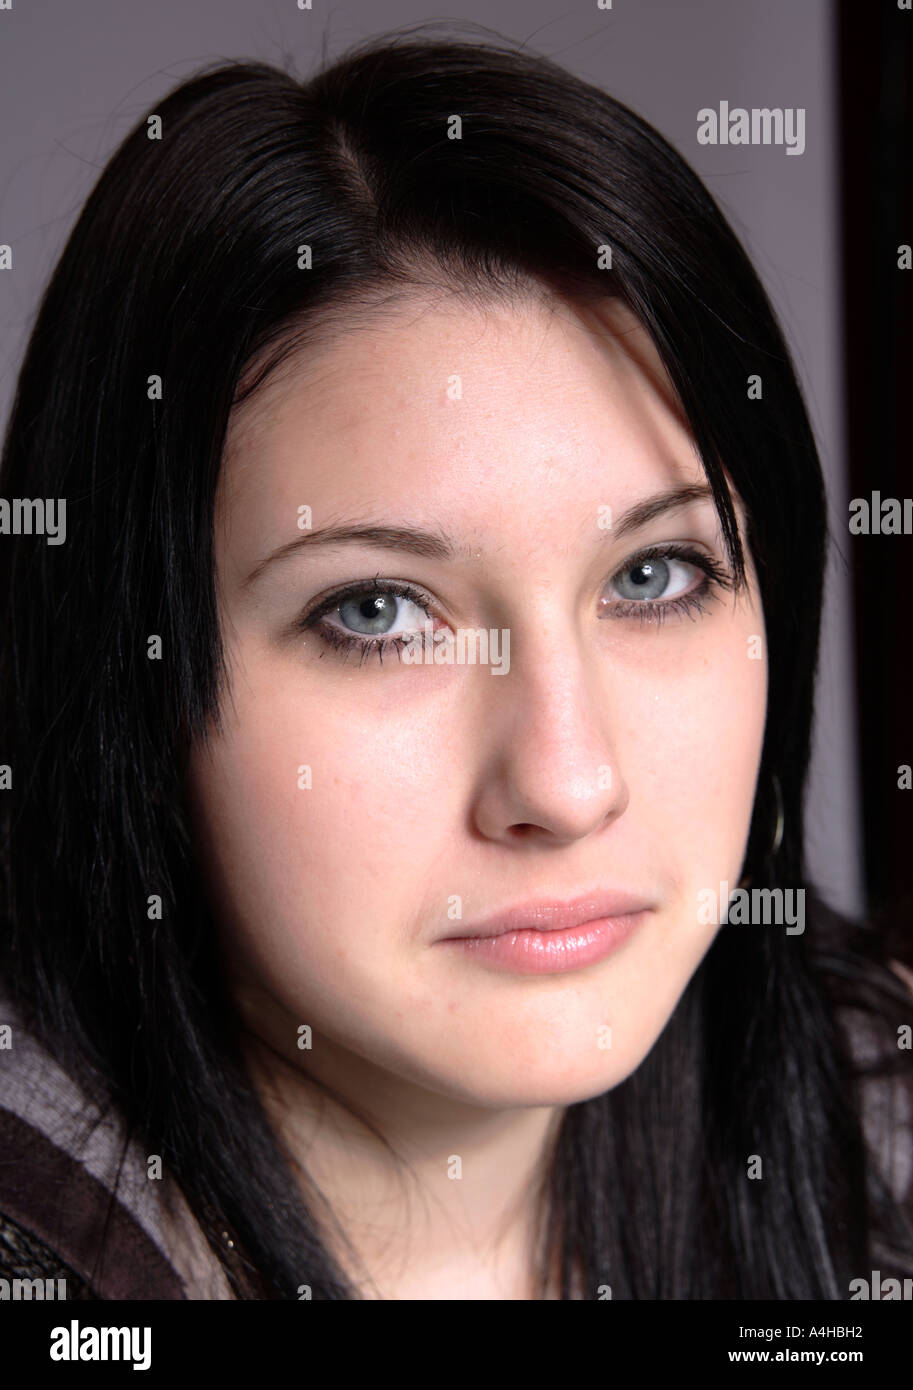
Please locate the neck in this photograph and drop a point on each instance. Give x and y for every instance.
(417, 1194)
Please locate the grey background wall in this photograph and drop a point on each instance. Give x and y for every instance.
(75, 75)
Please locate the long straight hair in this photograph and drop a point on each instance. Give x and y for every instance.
(189, 262)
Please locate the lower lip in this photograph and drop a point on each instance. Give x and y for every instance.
(531, 952)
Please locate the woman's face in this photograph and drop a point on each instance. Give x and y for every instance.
(358, 811)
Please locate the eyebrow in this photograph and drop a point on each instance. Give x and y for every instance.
(436, 545)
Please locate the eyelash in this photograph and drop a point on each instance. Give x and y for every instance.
(696, 601)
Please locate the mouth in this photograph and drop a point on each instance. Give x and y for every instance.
(555, 915)
(550, 936)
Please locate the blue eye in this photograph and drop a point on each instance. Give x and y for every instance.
(379, 611)
(658, 583)
(372, 617)
(649, 579)
(368, 613)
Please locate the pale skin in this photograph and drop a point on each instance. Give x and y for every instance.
(436, 783)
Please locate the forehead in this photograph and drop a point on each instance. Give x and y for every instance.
(404, 345)
(450, 407)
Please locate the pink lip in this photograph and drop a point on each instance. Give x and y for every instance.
(554, 915)
(547, 937)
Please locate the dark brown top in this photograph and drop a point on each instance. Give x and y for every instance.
(70, 1187)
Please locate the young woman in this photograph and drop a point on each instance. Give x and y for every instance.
(421, 676)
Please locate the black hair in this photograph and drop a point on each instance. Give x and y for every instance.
(184, 264)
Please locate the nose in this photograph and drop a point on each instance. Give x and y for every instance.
(549, 770)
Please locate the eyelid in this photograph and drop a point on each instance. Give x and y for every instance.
(695, 551)
(684, 550)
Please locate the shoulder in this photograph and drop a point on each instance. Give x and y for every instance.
(73, 1184)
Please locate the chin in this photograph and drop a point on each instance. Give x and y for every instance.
(543, 1085)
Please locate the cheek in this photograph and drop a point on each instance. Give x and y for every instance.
(313, 809)
(689, 757)
(731, 733)
(689, 748)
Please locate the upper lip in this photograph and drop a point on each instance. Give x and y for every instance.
(555, 914)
